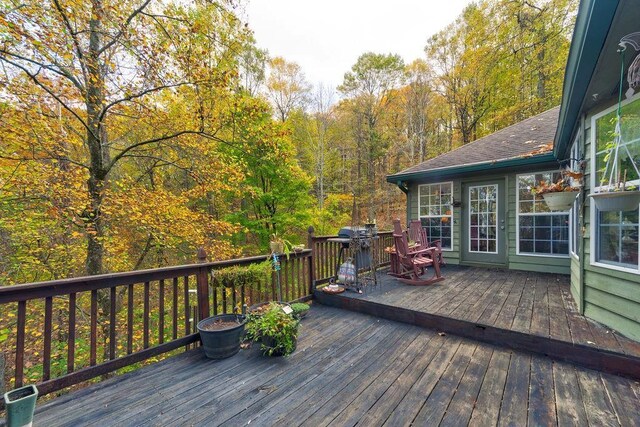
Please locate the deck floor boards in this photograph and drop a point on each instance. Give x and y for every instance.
(354, 369)
(537, 303)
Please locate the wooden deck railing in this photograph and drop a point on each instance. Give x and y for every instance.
(77, 329)
(60, 333)
(325, 254)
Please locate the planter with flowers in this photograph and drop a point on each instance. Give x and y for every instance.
(560, 195)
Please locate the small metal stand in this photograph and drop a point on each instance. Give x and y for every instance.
(363, 250)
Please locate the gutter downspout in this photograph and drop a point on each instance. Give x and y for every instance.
(581, 219)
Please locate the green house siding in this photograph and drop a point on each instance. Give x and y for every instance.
(610, 296)
(548, 264)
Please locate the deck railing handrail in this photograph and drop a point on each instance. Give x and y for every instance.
(27, 291)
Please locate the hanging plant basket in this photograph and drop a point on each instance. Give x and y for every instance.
(560, 201)
(616, 200)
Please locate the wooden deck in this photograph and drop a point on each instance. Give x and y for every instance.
(533, 303)
(351, 369)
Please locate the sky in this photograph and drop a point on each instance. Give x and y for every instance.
(326, 37)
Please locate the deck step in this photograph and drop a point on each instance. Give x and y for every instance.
(593, 358)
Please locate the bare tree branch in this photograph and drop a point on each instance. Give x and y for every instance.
(126, 24)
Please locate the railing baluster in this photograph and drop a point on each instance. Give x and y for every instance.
(112, 324)
(233, 297)
(93, 328)
(71, 338)
(294, 280)
(145, 319)
(215, 300)
(161, 311)
(187, 324)
(20, 332)
(174, 308)
(242, 295)
(130, 319)
(300, 268)
(286, 278)
(46, 354)
(224, 299)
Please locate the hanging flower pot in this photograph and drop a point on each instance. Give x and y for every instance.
(616, 200)
(560, 201)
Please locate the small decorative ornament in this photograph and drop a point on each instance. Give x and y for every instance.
(633, 72)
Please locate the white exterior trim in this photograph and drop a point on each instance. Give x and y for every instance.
(529, 254)
(593, 229)
(429, 216)
(497, 187)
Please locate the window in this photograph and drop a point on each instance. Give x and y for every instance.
(618, 238)
(540, 231)
(435, 211)
(616, 233)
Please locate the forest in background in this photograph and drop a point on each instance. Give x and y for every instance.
(132, 134)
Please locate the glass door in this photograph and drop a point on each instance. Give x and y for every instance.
(484, 223)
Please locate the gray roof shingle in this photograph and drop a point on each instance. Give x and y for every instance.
(528, 137)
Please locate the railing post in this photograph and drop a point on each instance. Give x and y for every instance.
(310, 245)
(202, 281)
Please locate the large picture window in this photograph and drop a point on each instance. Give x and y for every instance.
(617, 243)
(540, 231)
(435, 211)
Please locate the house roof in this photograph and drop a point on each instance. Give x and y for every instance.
(529, 141)
(593, 24)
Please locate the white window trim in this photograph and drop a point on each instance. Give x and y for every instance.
(497, 187)
(593, 230)
(429, 216)
(574, 233)
(538, 214)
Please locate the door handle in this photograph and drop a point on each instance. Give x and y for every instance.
(502, 227)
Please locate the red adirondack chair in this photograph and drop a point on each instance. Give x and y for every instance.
(418, 234)
(414, 262)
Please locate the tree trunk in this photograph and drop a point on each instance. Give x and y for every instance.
(97, 143)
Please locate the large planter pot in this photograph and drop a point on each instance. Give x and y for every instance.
(560, 201)
(223, 342)
(21, 403)
(616, 200)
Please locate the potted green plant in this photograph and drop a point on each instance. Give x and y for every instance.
(221, 335)
(275, 328)
(300, 310)
(279, 245)
(20, 405)
(560, 195)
